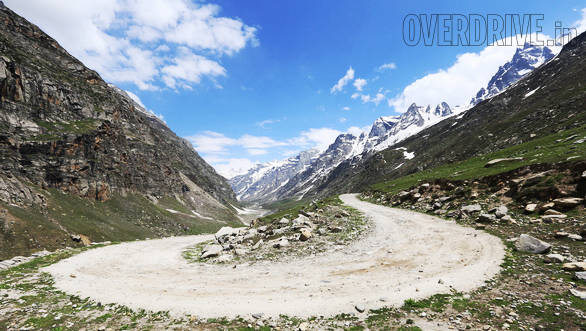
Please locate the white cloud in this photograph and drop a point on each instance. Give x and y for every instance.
(342, 119)
(211, 142)
(458, 83)
(256, 151)
(365, 98)
(230, 167)
(387, 66)
(188, 68)
(265, 123)
(359, 84)
(119, 38)
(346, 108)
(318, 138)
(343, 81)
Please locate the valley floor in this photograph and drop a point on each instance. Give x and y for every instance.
(408, 255)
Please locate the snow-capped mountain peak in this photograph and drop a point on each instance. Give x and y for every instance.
(523, 62)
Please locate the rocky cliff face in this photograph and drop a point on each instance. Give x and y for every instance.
(63, 128)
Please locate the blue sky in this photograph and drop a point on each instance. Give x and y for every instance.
(253, 81)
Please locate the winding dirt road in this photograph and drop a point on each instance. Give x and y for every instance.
(404, 257)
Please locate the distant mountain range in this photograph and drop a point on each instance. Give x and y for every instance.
(294, 177)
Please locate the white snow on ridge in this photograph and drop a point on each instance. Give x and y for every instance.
(530, 93)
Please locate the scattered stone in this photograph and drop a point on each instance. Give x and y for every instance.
(554, 258)
(284, 221)
(507, 219)
(568, 203)
(211, 250)
(303, 326)
(547, 206)
(486, 218)
(561, 234)
(501, 211)
(580, 275)
(257, 315)
(494, 162)
(359, 308)
(551, 218)
(283, 242)
(335, 229)
(258, 244)
(574, 266)
(305, 234)
(531, 207)
(75, 237)
(225, 233)
(480, 226)
(471, 208)
(240, 252)
(578, 293)
(576, 237)
(529, 244)
(552, 212)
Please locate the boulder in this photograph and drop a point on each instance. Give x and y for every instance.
(334, 229)
(211, 250)
(578, 293)
(561, 234)
(546, 206)
(580, 275)
(486, 218)
(501, 211)
(531, 207)
(568, 203)
(258, 244)
(305, 234)
(554, 258)
(471, 208)
(552, 212)
(574, 266)
(403, 195)
(507, 219)
(576, 237)
(284, 221)
(225, 233)
(283, 242)
(529, 244)
(240, 252)
(551, 218)
(495, 162)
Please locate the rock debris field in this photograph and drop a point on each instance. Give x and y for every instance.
(408, 255)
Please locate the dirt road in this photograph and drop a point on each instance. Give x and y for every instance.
(405, 256)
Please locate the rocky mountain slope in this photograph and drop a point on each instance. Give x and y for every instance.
(67, 135)
(524, 61)
(291, 179)
(265, 179)
(550, 99)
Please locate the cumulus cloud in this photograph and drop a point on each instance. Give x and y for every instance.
(342, 119)
(346, 108)
(359, 83)
(348, 77)
(123, 39)
(230, 167)
(387, 66)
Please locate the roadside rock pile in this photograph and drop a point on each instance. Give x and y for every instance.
(306, 234)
